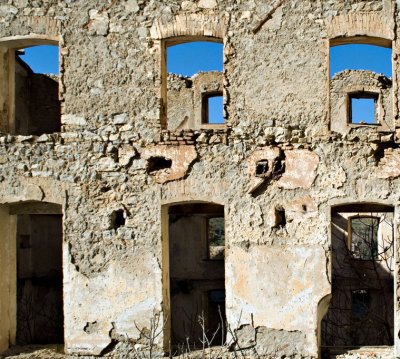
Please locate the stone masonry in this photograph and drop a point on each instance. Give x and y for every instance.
(127, 165)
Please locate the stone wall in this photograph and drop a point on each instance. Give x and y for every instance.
(185, 100)
(115, 203)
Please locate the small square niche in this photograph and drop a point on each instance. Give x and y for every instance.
(363, 109)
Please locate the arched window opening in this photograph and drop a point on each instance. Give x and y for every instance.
(194, 94)
(361, 310)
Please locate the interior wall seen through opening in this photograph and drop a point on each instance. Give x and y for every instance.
(361, 310)
(39, 279)
(197, 277)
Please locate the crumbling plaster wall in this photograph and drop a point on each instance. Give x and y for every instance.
(276, 95)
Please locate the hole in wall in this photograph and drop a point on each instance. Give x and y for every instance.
(278, 168)
(118, 219)
(158, 163)
(91, 328)
(379, 149)
(279, 165)
(262, 168)
(280, 217)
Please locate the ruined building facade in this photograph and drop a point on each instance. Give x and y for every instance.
(124, 212)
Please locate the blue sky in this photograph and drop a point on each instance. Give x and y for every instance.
(361, 57)
(42, 59)
(363, 110)
(192, 57)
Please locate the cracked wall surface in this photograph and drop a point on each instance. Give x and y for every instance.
(115, 152)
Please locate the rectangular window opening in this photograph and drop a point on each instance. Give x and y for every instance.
(213, 109)
(363, 109)
(193, 83)
(360, 76)
(364, 237)
(37, 108)
(216, 238)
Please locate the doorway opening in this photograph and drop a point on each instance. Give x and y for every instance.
(31, 274)
(196, 252)
(361, 310)
(39, 279)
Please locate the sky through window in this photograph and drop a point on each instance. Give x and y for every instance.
(361, 57)
(42, 59)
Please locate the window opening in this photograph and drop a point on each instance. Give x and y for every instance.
(216, 237)
(194, 84)
(158, 163)
(213, 109)
(363, 108)
(360, 75)
(262, 168)
(364, 237)
(280, 217)
(37, 107)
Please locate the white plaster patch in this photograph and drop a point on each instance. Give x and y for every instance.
(300, 169)
(74, 120)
